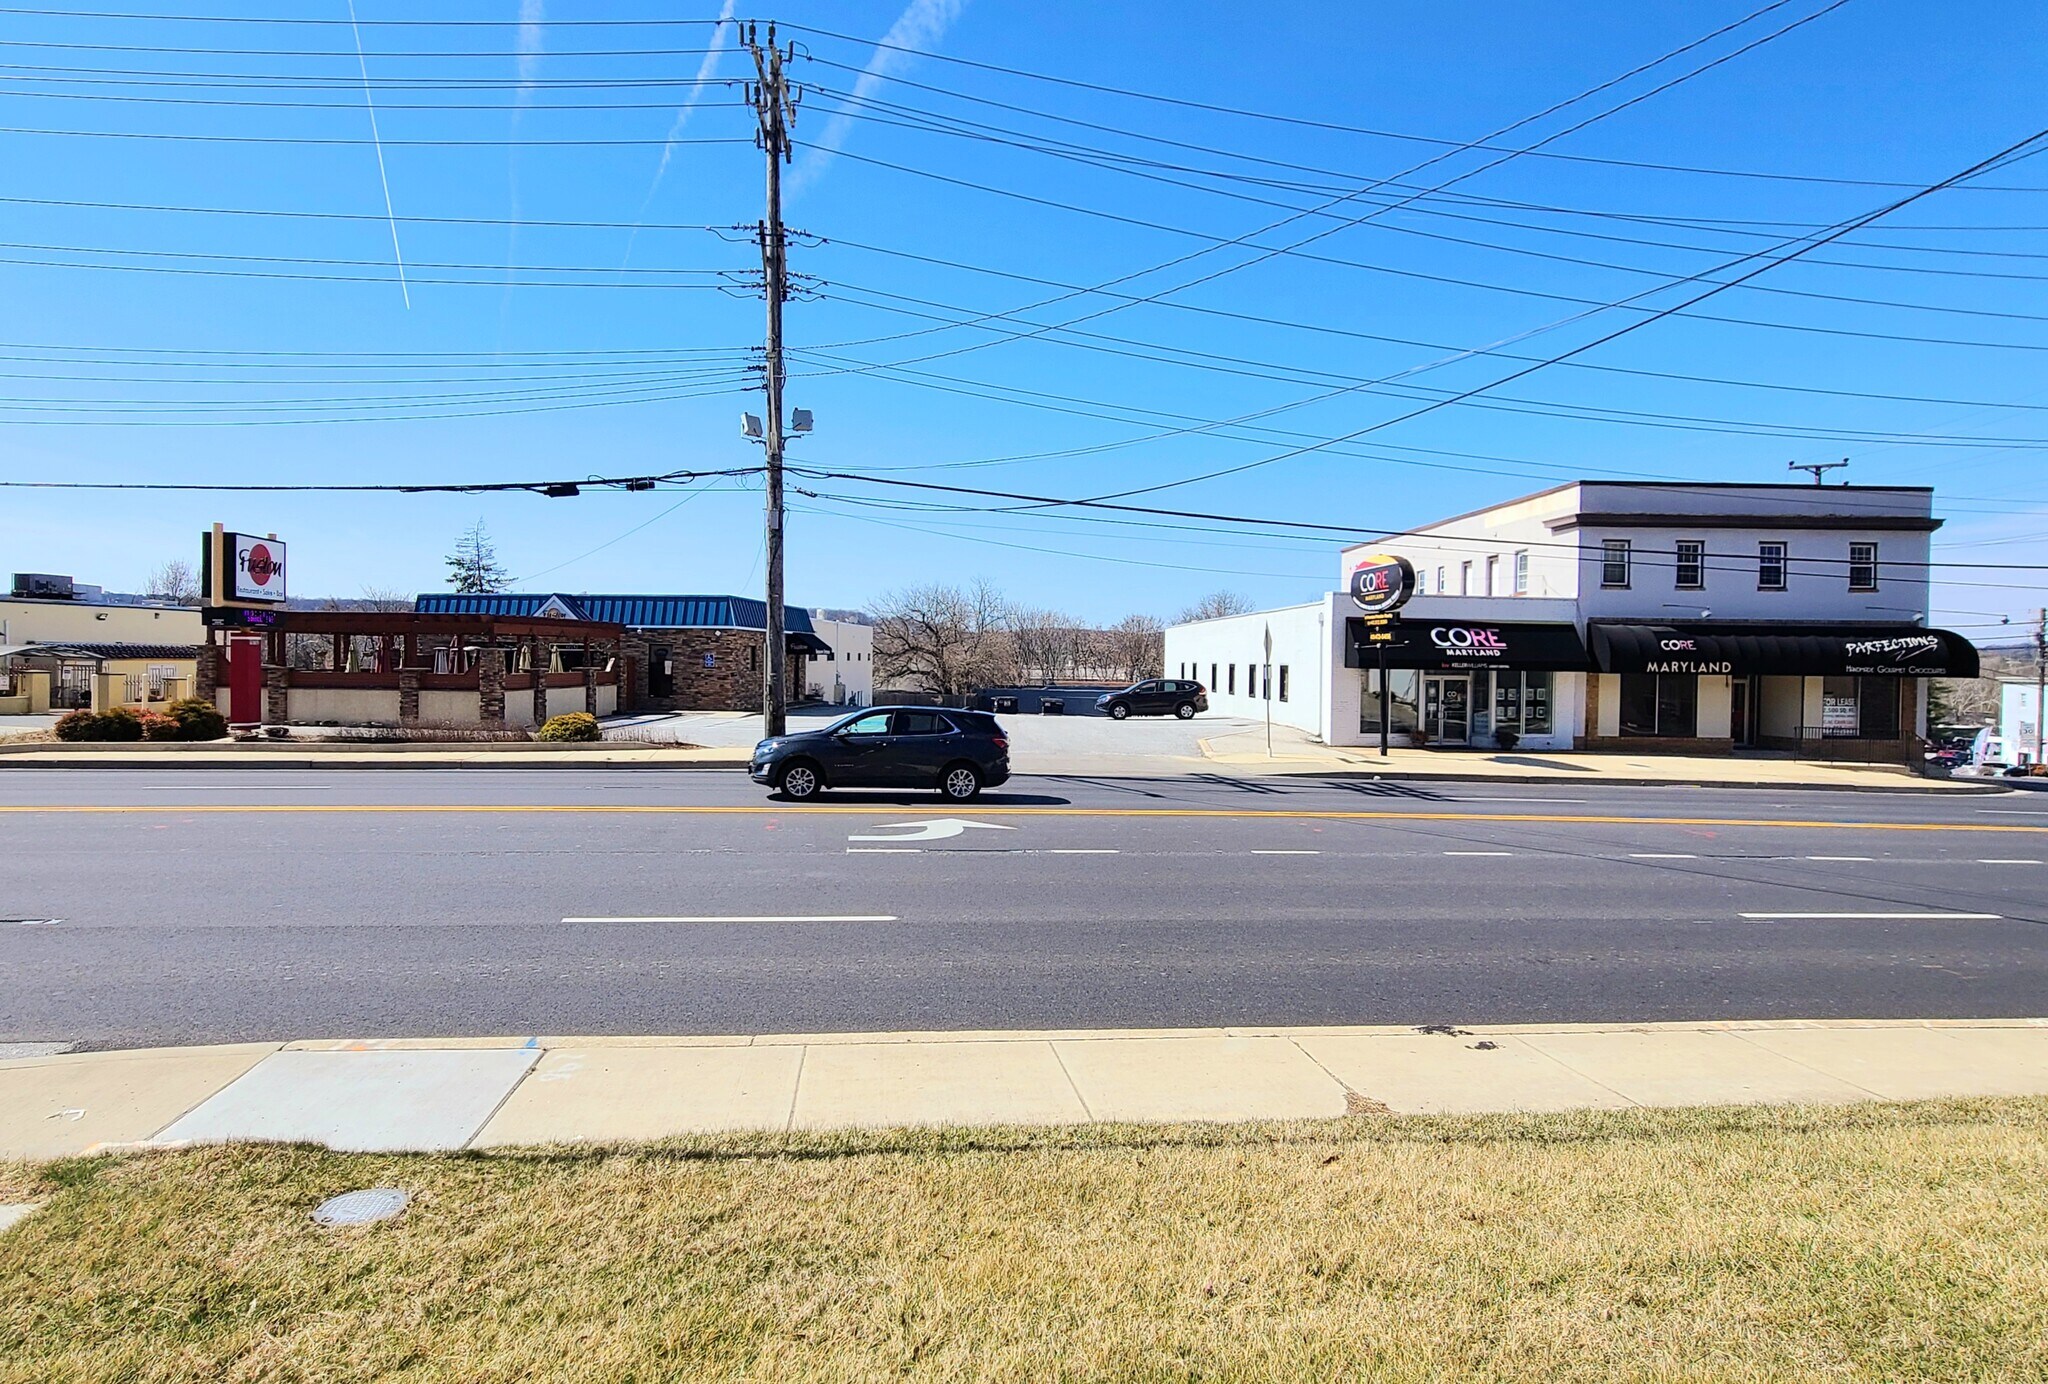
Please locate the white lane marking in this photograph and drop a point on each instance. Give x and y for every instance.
(2008, 862)
(2012, 812)
(1286, 852)
(1653, 855)
(885, 850)
(1478, 852)
(34, 922)
(934, 829)
(1950, 917)
(1073, 851)
(237, 787)
(752, 918)
(1516, 800)
(1839, 857)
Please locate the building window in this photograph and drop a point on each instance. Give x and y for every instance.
(1464, 578)
(1442, 587)
(1283, 682)
(1859, 708)
(1614, 555)
(1692, 564)
(1660, 704)
(1521, 702)
(1522, 572)
(1407, 699)
(1422, 582)
(1493, 575)
(1770, 566)
(1863, 567)
(1232, 688)
(1212, 676)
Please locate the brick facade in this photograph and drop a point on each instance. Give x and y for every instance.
(731, 682)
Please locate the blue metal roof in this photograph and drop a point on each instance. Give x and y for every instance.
(638, 612)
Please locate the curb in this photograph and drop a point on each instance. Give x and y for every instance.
(1746, 785)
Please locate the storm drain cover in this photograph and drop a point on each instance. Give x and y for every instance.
(360, 1208)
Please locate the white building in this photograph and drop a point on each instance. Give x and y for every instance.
(1619, 615)
(845, 676)
(2019, 720)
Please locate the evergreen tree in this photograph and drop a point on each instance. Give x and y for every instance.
(473, 567)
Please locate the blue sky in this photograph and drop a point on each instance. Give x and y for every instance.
(530, 351)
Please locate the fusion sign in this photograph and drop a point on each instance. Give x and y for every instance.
(255, 568)
(1381, 583)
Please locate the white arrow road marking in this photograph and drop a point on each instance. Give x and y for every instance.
(936, 829)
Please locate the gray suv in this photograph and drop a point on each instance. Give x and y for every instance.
(1155, 697)
(956, 752)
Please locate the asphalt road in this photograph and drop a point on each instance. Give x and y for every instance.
(150, 907)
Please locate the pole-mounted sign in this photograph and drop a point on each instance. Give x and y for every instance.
(242, 570)
(1382, 583)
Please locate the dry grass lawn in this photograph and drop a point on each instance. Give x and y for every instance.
(1871, 1242)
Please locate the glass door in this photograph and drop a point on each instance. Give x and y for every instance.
(1741, 718)
(1446, 709)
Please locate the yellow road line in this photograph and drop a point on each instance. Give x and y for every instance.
(1274, 814)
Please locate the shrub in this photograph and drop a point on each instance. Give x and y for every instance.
(158, 726)
(78, 725)
(118, 724)
(197, 719)
(577, 725)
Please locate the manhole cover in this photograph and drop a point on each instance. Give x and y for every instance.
(360, 1208)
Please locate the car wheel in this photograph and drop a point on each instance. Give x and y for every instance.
(961, 783)
(1186, 711)
(799, 781)
(1119, 712)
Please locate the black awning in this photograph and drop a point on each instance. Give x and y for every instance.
(802, 641)
(1906, 651)
(1528, 646)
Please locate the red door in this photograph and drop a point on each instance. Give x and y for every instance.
(245, 681)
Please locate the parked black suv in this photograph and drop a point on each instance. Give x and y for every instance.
(957, 752)
(1156, 697)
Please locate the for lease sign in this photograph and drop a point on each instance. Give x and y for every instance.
(255, 568)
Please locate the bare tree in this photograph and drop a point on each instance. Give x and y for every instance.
(1137, 646)
(942, 639)
(1215, 606)
(386, 598)
(173, 582)
(1046, 643)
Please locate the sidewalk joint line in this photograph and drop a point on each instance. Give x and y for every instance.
(525, 1074)
(1632, 1102)
(1817, 1071)
(803, 1053)
(1072, 1085)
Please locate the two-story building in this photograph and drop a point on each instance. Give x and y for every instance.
(1619, 615)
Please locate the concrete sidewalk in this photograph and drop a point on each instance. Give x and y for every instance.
(1245, 752)
(446, 1094)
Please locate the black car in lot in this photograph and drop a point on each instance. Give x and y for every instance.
(1155, 697)
(956, 752)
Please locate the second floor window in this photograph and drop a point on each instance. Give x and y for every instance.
(1522, 572)
(1492, 576)
(1692, 564)
(1614, 553)
(1770, 566)
(1863, 567)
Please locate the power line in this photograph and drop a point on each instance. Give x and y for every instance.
(639, 482)
(1337, 127)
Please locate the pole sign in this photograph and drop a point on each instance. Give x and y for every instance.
(1382, 583)
(255, 568)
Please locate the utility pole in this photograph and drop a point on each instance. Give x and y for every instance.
(1817, 468)
(2040, 681)
(775, 110)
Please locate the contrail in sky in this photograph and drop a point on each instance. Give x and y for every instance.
(921, 25)
(530, 38)
(696, 94)
(370, 104)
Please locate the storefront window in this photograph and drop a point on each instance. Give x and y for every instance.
(1865, 708)
(1659, 704)
(1482, 707)
(1407, 697)
(1536, 703)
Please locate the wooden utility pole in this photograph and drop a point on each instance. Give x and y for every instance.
(770, 96)
(2040, 681)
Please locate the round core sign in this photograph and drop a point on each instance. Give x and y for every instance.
(1382, 582)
